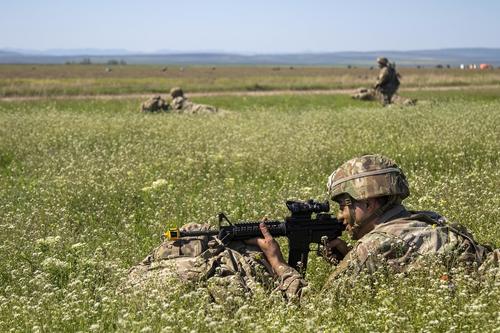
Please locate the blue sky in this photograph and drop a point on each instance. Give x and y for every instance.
(252, 26)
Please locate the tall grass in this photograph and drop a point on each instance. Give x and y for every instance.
(78, 207)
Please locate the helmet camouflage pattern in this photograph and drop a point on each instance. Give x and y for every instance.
(383, 60)
(176, 92)
(368, 176)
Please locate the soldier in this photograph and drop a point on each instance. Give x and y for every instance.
(364, 94)
(154, 104)
(387, 81)
(181, 104)
(369, 190)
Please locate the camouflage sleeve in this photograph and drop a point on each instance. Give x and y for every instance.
(291, 284)
(491, 265)
(367, 255)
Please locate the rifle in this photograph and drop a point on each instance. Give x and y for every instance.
(300, 228)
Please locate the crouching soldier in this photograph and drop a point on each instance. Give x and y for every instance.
(388, 80)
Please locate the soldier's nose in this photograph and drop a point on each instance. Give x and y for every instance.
(340, 217)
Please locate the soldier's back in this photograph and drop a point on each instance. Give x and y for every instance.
(232, 269)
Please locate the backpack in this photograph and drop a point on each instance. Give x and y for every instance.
(395, 76)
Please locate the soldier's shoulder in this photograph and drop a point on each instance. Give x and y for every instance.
(398, 226)
(397, 230)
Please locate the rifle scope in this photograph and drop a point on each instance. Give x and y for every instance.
(307, 207)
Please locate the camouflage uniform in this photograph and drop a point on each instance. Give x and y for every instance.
(154, 104)
(235, 269)
(401, 240)
(364, 94)
(387, 82)
(404, 240)
(181, 104)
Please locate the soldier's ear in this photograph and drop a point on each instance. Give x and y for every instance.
(372, 204)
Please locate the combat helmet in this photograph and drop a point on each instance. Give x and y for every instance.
(176, 92)
(383, 61)
(368, 176)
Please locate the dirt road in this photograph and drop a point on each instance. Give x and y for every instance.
(243, 93)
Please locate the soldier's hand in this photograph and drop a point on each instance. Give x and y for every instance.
(271, 249)
(336, 249)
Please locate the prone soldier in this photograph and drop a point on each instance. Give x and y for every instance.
(369, 191)
(155, 104)
(181, 104)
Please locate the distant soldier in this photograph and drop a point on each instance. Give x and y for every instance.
(181, 104)
(364, 94)
(155, 104)
(387, 81)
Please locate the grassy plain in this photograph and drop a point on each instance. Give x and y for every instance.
(79, 206)
(50, 80)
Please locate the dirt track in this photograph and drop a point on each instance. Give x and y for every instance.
(244, 93)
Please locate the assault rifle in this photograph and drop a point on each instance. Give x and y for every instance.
(300, 228)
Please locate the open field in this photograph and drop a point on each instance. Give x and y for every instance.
(50, 80)
(78, 206)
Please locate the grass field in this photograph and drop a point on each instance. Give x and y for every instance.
(50, 80)
(79, 205)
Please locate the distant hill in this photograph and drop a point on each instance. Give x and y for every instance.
(452, 57)
(6, 54)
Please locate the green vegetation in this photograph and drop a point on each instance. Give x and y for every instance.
(81, 201)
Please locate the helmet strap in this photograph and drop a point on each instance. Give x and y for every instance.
(352, 212)
(377, 213)
(382, 209)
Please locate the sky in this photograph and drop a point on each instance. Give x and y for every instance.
(249, 26)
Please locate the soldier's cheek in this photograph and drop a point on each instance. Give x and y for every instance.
(342, 218)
